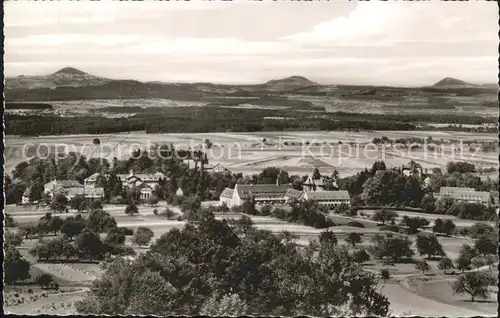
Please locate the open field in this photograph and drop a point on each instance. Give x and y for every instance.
(245, 152)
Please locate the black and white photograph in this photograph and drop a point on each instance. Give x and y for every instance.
(251, 158)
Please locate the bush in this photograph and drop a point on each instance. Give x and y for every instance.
(117, 200)
(355, 224)
(142, 236)
(390, 227)
(385, 274)
(168, 214)
(361, 256)
(131, 209)
(127, 231)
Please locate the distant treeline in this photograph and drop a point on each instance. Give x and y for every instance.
(10, 105)
(221, 119)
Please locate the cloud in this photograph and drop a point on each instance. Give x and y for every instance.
(378, 23)
(29, 13)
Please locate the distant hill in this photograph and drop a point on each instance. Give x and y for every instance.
(452, 82)
(289, 83)
(67, 76)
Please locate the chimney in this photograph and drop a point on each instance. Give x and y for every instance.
(131, 171)
(278, 180)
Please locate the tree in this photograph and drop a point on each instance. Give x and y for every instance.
(131, 209)
(95, 205)
(478, 261)
(328, 238)
(228, 305)
(9, 221)
(413, 224)
(316, 175)
(27, 230)
(100, 221)
(445, 264)
(15, 267)
(151, 294)
(384, 215)
(59, 202)
(45, 281)
(72, 227)
(168, 213)
(479, 229)
(353, 238)
(142, 236)
(13, 239)
(153, 200)
(448, 227)
(54, 224)
(428, 204)
(90, 245)
(385, 274)
(490, 260)
(422, 266)
(265, 210)
(115, 236)
(361, 256)
(429, 245)
(393, 248)
(486, 245)
(473, 283)
(438, 226)
(465, 256)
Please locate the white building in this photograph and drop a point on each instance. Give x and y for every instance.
(50, 187)
(468, 195)
(226, 197)
(146, 183)
(87, 193)
(328, 198)
(318, 184)
(217, 168)
(152, 180)
(262, 194)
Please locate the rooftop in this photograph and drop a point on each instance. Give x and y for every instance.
(465, 194)
(328, 195)
(227, 193)
(245, 190)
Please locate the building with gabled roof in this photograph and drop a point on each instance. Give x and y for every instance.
(50, 187)
(226, 197)
(217, 168)
(328, 198)
(88, 193)
(293, 194)
(468, 195)
(320, 184)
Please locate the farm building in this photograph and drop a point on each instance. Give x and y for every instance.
(179, 192)
(468, 195)
(131, 179)
(320, 184)
(226, 197)
(279, 194)
(217, 168)
(50, 187)
(328, 198)
(261, 193)
(88, 193)
(26, 196)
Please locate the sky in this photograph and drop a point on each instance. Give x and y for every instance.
(336, 42)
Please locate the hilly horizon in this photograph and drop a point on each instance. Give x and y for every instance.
(291, 82)
(70, 83)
